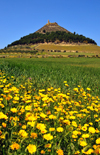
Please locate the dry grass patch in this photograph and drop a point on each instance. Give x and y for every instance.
(80, 48)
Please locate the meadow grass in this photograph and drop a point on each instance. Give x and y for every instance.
(47, 72)
(50, 106)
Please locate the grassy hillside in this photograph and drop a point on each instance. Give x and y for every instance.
(79, 48)
(51, 50)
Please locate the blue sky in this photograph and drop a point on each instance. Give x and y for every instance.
(22, 17)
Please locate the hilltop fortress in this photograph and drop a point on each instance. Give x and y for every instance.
(49, 27)
(52, 24)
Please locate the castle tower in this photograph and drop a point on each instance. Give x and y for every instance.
(48, 22)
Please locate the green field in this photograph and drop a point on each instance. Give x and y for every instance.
(49, 106)
(46, 72)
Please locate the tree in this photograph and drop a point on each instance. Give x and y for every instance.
(74, 33)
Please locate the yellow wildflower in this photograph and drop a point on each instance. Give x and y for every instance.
(77, 152)
(28, 108)
(23, 133)
(40, 126)
(60, 152)
(48, 136)
(90, 151)
(51, 129)
(42, 115)
(2, 105)
(83, 143)
(15, 146)
(47, 145)
(85, 136)
(60, 129)
(0, 132)
(42, 152)
(98, 141)
(33, 135)
(75, 132)
(84, 128)
(14, 110)
(74, 124)
(31, 148)
(3, 116)
(23, 126)
(65, 81)
(75, 89)
(91, 129)
(52, 117)
(32, 124)
(4, 125)
(88, 89)
(2, 136)
(66, 122)
(43, 131)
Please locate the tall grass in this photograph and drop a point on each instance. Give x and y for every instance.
(53, 71)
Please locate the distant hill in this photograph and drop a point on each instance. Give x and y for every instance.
(52, 32)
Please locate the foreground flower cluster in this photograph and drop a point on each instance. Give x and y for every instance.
(47, 122)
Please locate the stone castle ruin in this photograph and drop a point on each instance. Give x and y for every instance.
(52, 24)
(51, 27)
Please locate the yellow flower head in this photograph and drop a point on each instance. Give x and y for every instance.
(31, 148)
(84, 128)
(91, 129)
(90, 151)
(0, 132)
(48, 145)
(42, 152)
(51, 129)
(60, 152)
(2, 105)
(15, 146)
(48, 136)
(14, 110)
(3, 116)
(40, 126)
(52, 117)
(74, 124)
(83, 143)
(75, 89)
(67, 122)
(98, 141)
(60, 129)
(4, 125)
(77, 152)
(43, 131)
(88, 89)
(23, 133)
(75, 132)
(85, 136)
(33, 135)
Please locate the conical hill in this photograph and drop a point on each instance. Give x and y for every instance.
(52, 32)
